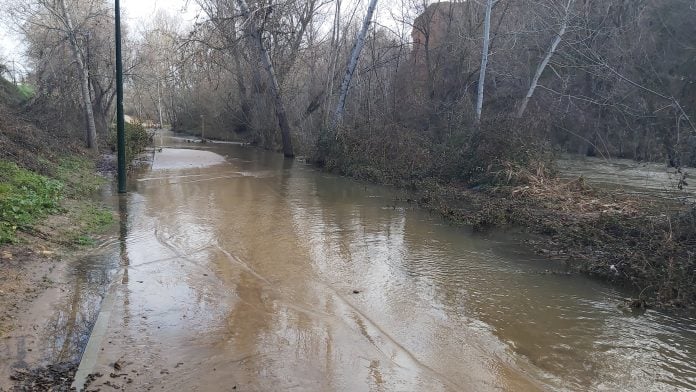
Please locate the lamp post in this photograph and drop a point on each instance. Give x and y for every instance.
(120, 124)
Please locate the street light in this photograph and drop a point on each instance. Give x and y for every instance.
(120, 124)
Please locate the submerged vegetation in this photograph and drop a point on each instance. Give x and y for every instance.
(478, 157)
(646, 244)
(496, 176)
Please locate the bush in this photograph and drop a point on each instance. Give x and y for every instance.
(498, 151)
(137, 138)
(392, 154)
(24, 197)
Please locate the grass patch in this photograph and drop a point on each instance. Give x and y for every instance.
(78, 224)
(89, 218)
(95, 218)
(25, 91)
(24, 197)
(78, 175)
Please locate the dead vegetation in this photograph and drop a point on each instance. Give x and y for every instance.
(643, 243)
(493, 177)
(54, 378)
(24, 142)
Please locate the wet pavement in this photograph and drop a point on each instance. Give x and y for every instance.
(238, 270)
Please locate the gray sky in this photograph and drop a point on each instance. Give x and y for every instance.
(136, 12)
(139, 10)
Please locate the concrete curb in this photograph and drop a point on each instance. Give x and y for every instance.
(89, 356)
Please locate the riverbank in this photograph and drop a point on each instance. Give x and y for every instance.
(41, 236)
(641, 243)
(50, 215)
(645, 244)
(491, 181)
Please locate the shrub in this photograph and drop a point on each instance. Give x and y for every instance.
(498, 151)
(137, 138)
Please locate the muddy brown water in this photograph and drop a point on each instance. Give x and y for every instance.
(625, 175)
(235, 268)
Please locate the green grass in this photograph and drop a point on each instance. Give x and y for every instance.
(14, 95)
(25, 197)
(25, 91)
(95, 218)
(84, 240)
(87, 218)
(78, 175)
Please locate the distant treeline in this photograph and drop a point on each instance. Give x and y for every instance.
(612, 78)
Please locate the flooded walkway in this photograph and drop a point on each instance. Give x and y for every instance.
(239, 270)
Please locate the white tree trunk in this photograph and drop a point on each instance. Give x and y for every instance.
(91, 136)
(352, 63)
(542, 66)
(159, 102)
(281, 114)
(484, 58)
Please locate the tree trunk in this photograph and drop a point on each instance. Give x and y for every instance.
(91, 135)
(281, 114)
(101, 120)
(545, 61)
(244, 98)
(159, 102)
(352, 63)
(484, 58)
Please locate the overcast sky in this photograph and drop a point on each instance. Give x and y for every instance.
(136, 12)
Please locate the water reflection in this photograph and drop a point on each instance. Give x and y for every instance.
(122, 235)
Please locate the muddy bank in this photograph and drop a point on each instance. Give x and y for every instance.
(31, 283)
(643, 243)
(46, 306)
(45, 312)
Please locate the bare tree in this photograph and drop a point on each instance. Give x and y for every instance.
(254, 34)
(352, 63)
(91, 135)
(484, 57)
(549, 53)
(50, 24)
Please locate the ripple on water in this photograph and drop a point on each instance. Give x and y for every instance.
(430, 295)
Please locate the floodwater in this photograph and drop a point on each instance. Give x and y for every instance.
(238, 270)
(629, 176)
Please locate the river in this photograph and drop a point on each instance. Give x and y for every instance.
(625, 175)
(237, 269)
